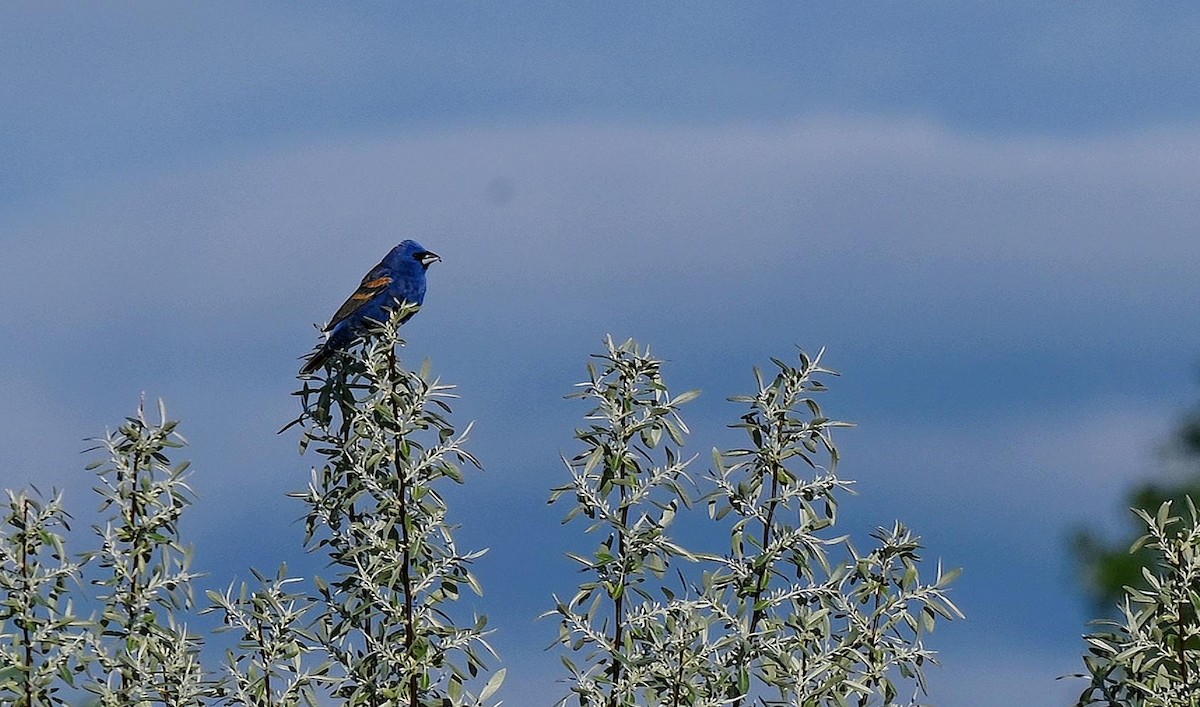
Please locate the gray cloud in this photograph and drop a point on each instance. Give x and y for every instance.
(1046, 240)
(995, 304)
(101, 91)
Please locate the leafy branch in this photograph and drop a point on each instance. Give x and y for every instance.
(375, 508)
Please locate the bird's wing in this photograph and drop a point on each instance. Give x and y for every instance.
(375, 282)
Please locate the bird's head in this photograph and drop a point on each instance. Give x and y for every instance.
(411, 251)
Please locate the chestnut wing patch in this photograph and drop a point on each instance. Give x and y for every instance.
(367, 290)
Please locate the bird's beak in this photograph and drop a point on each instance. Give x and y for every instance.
(428, 257)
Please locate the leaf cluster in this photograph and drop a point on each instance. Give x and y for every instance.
(375, 508)
(379, 632)
(1148, 657)
(141, 653)
(42, 640)
(789, 614)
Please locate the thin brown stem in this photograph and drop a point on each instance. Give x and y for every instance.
(677, 688)
(27, 619)
(760, 581)
(619, 602)
(128, 679)
(1182, 644)
(623, 436)
(410, 632)
(266, 659)
(760, 578)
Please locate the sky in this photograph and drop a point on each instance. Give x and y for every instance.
(984, 212)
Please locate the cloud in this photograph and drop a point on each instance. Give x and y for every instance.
(1007, 313)
(905, 247)
(1009, 466)
(902, 230)
(101, 92)
(1001, 675)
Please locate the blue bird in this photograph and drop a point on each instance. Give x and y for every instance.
(398, 279)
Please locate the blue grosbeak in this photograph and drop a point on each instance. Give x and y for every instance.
(398, 279)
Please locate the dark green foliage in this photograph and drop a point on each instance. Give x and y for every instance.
(1150, 655)
(1106, 565)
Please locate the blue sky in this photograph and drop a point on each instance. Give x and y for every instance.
(985, 213)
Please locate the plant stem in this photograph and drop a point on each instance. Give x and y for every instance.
(27, 583)
(1182, 647)
(678, 686)
(410, 632)
(262, 641)
(619, 603)
(623, 436)
(760, 579)
(127, 678)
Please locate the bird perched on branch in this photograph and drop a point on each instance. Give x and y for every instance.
(397, 280)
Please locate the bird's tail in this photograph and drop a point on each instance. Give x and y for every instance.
(317, 360)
